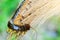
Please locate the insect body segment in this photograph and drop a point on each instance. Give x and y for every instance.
(16, 29)
(15, 25)
(18, 16)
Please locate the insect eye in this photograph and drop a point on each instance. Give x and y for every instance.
(10, 25)
(27, 26)
(15, 27)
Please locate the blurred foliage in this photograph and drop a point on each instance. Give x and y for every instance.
(56, 21)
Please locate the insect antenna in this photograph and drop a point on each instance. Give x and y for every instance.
(35, 32)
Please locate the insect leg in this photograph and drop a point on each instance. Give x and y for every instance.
(9, 37)
(9, 30)
(17, 35)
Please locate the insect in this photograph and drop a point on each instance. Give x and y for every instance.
(15, 25)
